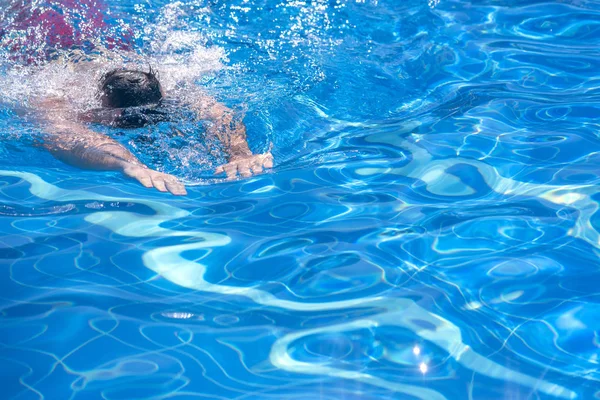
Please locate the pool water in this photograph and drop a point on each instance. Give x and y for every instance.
(430, 229)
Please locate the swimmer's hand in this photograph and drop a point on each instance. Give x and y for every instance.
(246, 165)
(150, 178)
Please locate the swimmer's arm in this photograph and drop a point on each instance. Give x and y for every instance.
(231, 132)
(77, 145)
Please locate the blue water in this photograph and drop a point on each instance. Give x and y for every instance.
(429, 231)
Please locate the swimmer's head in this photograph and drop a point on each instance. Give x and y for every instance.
(122, 88)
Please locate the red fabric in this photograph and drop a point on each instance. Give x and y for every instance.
(30, 32)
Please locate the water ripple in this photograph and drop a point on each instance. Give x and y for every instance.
(430, 229)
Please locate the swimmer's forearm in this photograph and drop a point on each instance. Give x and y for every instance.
(230, 130)
(102, 153)
(107, 157)
(234, 140)
(81, 147)
(84, 148)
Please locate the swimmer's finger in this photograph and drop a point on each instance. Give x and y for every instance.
(257, 167)
(144, 180)
(268, 161)
(244, 169)
(230, 170)
(175, 187)
(159, 183)
(140, 176)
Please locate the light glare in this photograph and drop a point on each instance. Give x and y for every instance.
(416, 350)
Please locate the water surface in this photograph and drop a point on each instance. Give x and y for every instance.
(429, 231)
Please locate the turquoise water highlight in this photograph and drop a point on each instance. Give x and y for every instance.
(429, 230)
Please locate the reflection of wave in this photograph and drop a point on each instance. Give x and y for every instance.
(168, 262)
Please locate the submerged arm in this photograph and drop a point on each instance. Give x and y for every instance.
(75, 144)
(231, 132)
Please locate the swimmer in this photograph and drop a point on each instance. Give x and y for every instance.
(130, 99)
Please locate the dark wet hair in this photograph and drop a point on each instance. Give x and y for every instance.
(122, 88)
